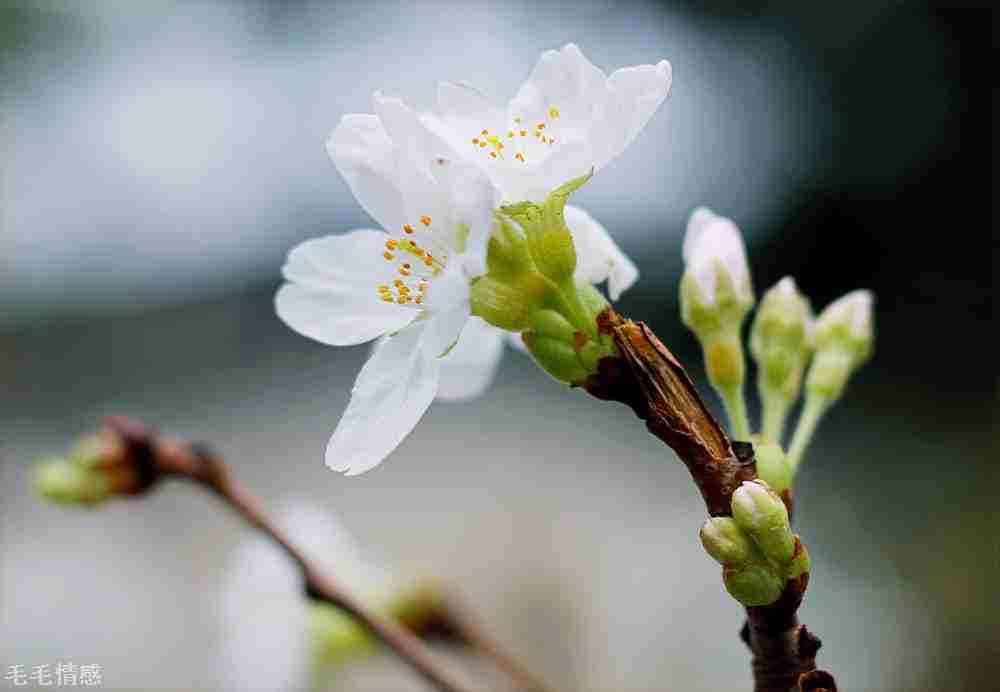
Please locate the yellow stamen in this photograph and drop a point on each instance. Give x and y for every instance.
(391, 244)
(388, 255)
(553, 112)
(408, 228)
(519, 156)
(425, 220)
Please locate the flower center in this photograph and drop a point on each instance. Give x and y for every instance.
(414, 264)
(527, 140)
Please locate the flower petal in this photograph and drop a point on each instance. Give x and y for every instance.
(321, 533)
(469, 368)
(598, 258)
(264, 647)
(466, 110)
(349, 263)
(634, 95)
(337, 319)
(392, 392)
(566, 80)
(363, 153)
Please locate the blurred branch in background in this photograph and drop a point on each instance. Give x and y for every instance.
(126, 458)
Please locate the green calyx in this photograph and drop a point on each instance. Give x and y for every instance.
(756, 547)
(723, 314)
(529, 288)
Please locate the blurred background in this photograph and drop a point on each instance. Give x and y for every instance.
(159, 159)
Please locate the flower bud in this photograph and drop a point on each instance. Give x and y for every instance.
(780, 339)
(558, 358)
(772, 465)
(761, 513)
(716, 291)
(844, 337)
(549, 239)
(846, 324)
(753, 585)
(725, 541)
(69, 482)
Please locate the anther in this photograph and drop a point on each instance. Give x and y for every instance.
(425, 220)
(408, 228)
(388, 255)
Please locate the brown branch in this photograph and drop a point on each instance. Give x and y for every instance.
(140, 457)
(648, 378)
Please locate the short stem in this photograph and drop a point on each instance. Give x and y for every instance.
(736, 409)
(812, 412)
(775, 410)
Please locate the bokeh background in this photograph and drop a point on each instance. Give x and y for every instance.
(158, 159)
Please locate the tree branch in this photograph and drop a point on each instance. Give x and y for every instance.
(143, 457)
(648, 378)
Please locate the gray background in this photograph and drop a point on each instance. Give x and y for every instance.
(158, 163)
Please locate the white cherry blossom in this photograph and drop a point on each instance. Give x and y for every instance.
(713, 243)
(408, 281)
(568, 118)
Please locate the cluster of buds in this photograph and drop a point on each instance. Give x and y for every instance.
(716, 297)
(531, 286)
(115, 461)
(758, 552)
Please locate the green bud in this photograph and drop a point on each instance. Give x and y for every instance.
(724, 361)
(753, 585)
(828, 374)
(592, 300)
(761, 513)
(725, 541)
(551, 324)
(846, 325)
(335, 635)
(780, 339)
(772, 465)
(549, 239)
(558, 358)
(70, 482)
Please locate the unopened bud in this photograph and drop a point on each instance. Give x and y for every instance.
(69, 482)
(762, 514)
(725, 541)
(558, 358)
(780, 339)
(844, 338)
(716, 291)
(772, 465)
(753, 585)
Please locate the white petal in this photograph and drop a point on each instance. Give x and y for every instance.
(469, 368)
(711, 241)
(598, 258)
(466, 110)
(444, 329)
(634, 95)
(323, 536)
(337, 319)
(363, 153)
(392, 392)
(566, 80)
(853, 309)
(349, 263)
(263, 625)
